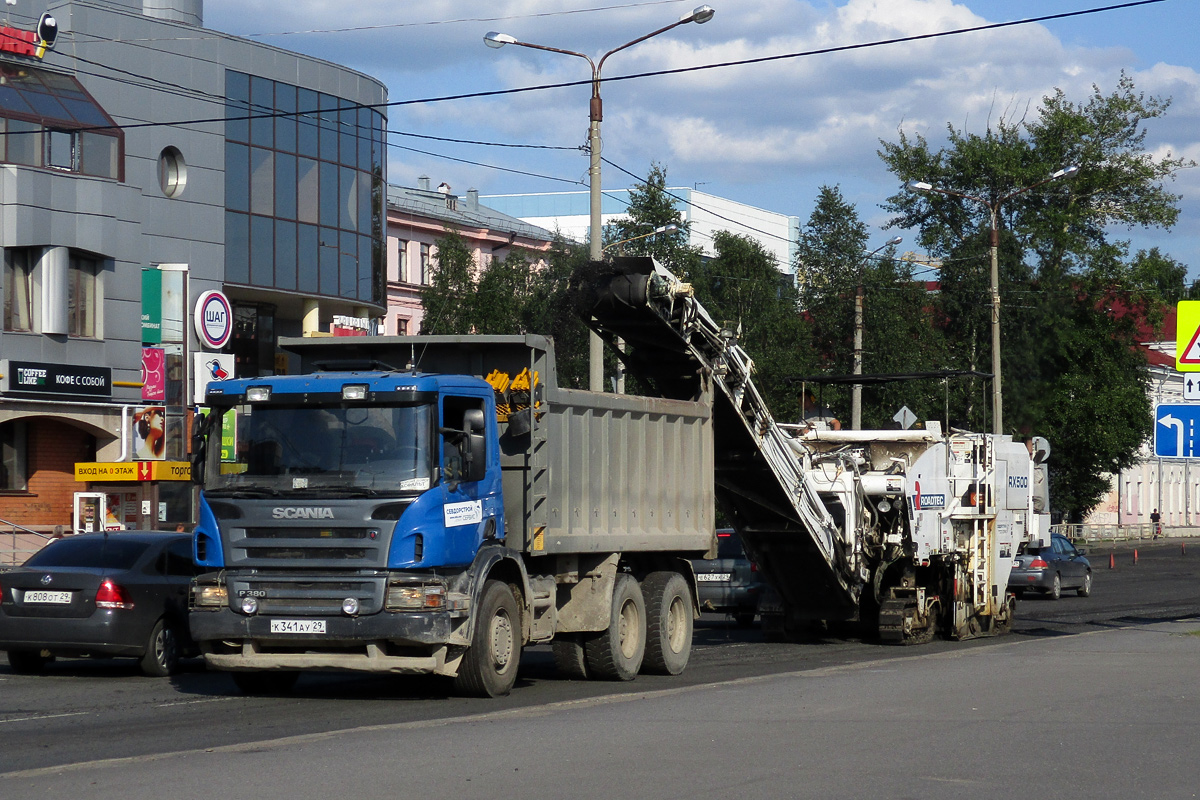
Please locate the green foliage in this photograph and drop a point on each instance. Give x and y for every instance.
(1070, 371)
(833, 260)
(652, 207)
(448, 299)
(743, 288)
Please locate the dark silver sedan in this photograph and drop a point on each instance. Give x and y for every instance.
(1051, 569)
(103, 595)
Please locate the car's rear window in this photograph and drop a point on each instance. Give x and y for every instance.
(108, 552)
(729, 546)
(1029, 549)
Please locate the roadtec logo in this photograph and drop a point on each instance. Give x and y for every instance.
(302, 512)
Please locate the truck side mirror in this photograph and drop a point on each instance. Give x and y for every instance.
(476, 445)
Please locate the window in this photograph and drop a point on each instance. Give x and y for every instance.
(402, 260)
(401, 326)
(18, 264)
(48, 120)
(14, 470)
(424, 276)
(81, 296)
(295, 156)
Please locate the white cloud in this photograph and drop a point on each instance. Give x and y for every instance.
(768, 133)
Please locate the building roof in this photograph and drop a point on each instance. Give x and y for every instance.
(467, 211)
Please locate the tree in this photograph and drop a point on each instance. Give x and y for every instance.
(449, 297)
(651, 206)
(832, 260)
(1069, 368)
(743, 288)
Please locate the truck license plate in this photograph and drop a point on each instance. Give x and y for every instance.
(56, 598)
(297, 626)
(713, 577)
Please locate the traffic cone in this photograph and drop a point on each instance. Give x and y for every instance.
(1112, 561)
(1135, 556)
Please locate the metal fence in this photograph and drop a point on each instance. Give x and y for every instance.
(21, 543)
(1123, 533)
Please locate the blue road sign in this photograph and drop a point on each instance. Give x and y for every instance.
(1176, 428)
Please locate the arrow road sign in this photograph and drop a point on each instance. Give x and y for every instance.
(1175, 430)
(1191, 387)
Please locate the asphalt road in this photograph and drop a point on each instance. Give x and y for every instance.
(56, 727)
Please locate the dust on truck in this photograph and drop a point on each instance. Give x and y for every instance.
(436, 519)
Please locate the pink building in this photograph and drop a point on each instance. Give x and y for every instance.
(417, 218)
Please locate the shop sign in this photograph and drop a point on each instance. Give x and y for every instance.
(33, 377)
(214, 320)
(133, 471)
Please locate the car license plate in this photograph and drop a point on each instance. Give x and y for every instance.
(706, 577)
(297, 626)
(53, 598)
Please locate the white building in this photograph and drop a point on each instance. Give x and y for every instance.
(569, 213)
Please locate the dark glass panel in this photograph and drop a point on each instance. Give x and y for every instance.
(237, 172)
(328, 250)
(237, 99)
(347, 199)
(262, 246)
(329, 126)
(285, 126)
(348, 264)
(285, 255)
(307, 139)
(306, 259)
(347, 131)
(237, 247)
(262, 105)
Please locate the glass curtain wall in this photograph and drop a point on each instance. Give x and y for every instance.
(303, 191)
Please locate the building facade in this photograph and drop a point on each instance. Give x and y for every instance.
(172, 199)
(569, 214)
(417, 217)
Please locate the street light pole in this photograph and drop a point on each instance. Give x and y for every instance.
(993, 208)
(856, 392)
(699, 15)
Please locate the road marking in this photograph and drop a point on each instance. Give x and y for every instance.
(194, 702)
(44, 716)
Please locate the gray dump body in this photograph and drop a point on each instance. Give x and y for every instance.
(598, 473)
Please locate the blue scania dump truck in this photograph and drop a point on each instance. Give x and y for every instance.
(434, 518)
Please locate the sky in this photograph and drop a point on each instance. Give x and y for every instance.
(768, 134)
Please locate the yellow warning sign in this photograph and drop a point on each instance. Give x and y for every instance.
(1187, 336)
(133, 471)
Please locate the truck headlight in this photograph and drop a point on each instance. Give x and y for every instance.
(209, 597)
(415, 597)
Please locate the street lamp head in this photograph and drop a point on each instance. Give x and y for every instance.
(498, 40)
(919, 186)
(698, 15)
(895, 240)
(1065, 172)
(671, 228)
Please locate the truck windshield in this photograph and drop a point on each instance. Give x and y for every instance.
(282, 448)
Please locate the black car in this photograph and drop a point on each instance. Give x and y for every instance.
(729, 583)
(1051, 569)
(102, 595)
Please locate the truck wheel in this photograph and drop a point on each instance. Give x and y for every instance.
(569, 657)
(668, 623)
(162, 651)
(489, 667)
(27, 662)
(265, 683)
(616, 654)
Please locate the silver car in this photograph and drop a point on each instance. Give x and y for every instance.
(1051, 569)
